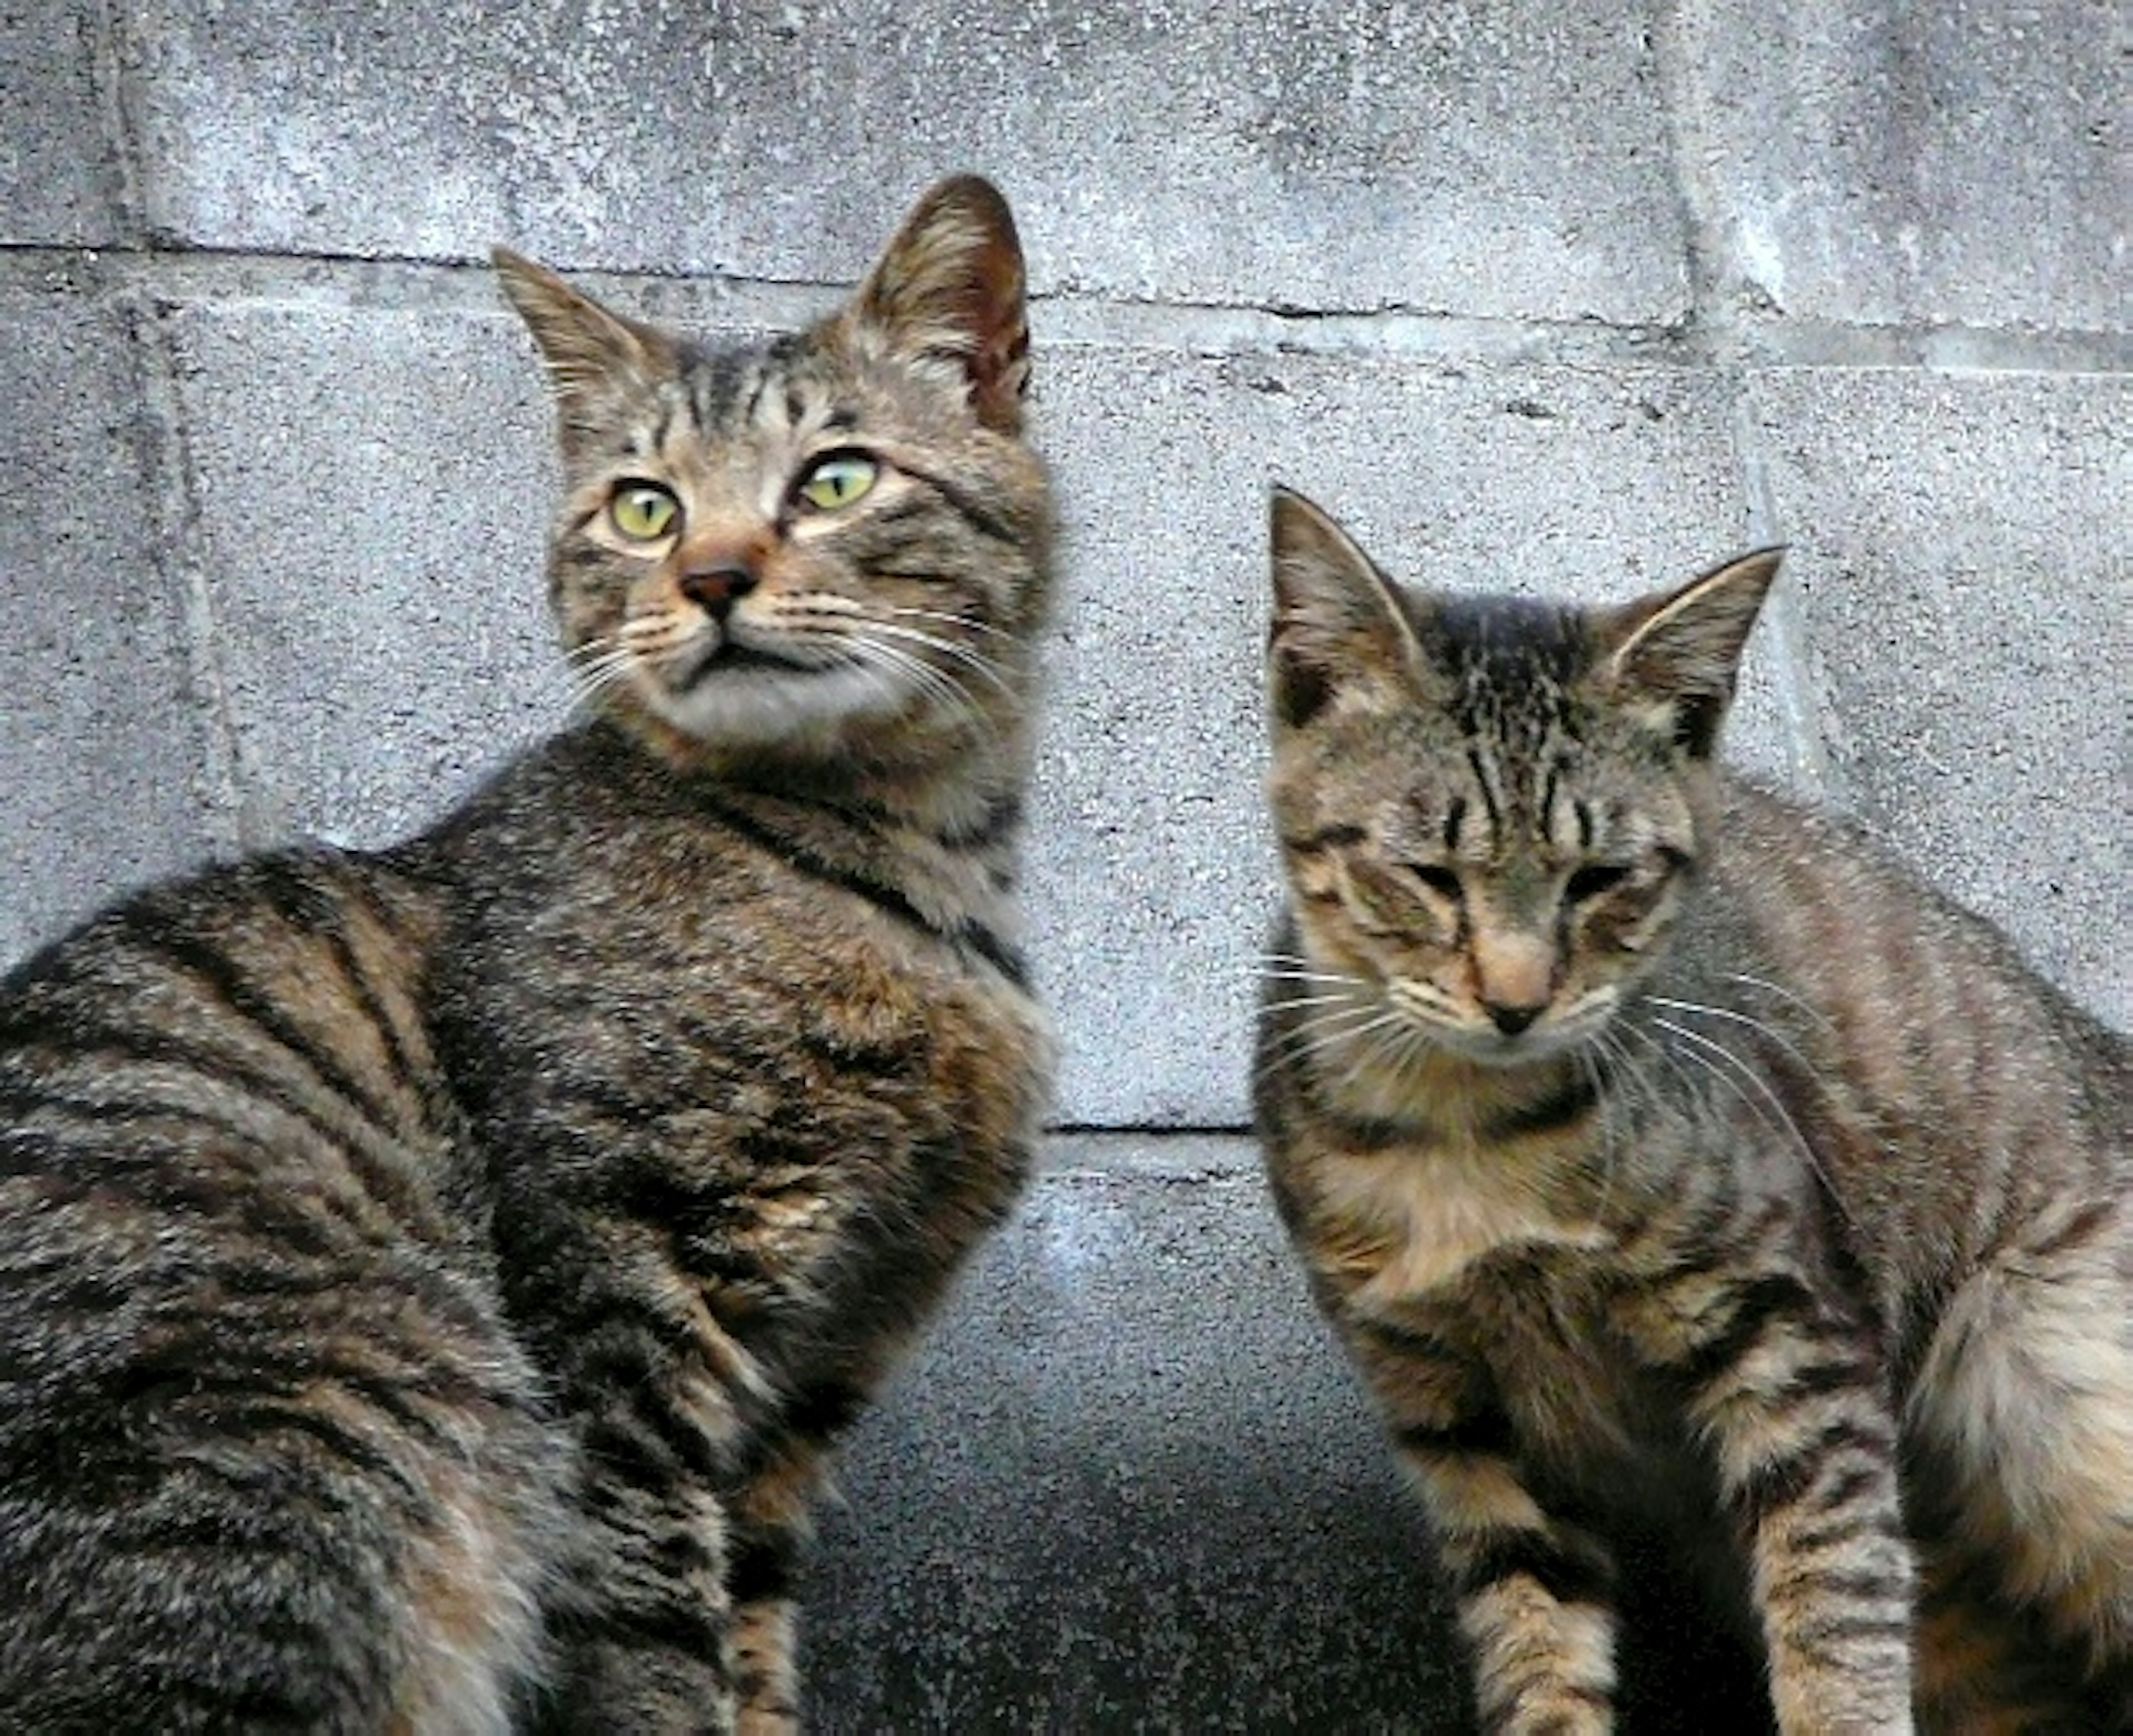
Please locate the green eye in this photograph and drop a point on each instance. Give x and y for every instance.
(643, 512)
(838, 480)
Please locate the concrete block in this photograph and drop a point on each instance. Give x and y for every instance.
(1969, 600)
(1130, 1483)
(1501, 161)
(1952, 165)
(101, 755)
(373, 489)
(1154, 878)
(60, 180)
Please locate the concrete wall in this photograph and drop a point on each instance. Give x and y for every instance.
(1557, 297)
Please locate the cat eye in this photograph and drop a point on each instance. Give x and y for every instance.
(1437, 878)
(643, 512)
(1594, 881)
(837, 480)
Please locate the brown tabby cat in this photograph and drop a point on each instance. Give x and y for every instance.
(429, 1280)
(1666, 1156)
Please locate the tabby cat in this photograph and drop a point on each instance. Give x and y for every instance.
(1668, 1160)
(429, 1280)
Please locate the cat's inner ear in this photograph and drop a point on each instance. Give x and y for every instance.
(1338, 625)
(1675, 658)
(949, 294)
(591, 353)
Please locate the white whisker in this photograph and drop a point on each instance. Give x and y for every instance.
(981, 666)
(1308, 976)
(914, 673)
(954, 620)
(1776, 1035)
(1783, 993)
(1775, 1105)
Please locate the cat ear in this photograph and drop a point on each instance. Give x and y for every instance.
(948, 296)
(1676, 657)
(589, 352)
(1336, 620)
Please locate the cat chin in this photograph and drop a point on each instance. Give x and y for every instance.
(1486, 1047)
(758, 708)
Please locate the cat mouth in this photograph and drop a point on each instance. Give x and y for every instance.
(730, 657)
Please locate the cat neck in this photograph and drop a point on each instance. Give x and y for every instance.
(945, 786)
(1443, 1101)
(946, 843)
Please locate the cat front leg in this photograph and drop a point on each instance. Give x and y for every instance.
(771, 1526)
(644, 1628)
(1788, 1387)
(644, 1634)
(1535, 1591)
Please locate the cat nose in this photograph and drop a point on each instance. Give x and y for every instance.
(716, 584)
(1511, 1020)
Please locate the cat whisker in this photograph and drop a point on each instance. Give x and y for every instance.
(964, 622)
(1330, 977)
(1608, 1090)
(983, 667)
(1368, 1047)
(1589, 1066)
(883, 641)
(1285, 968)
(600, 645)
(1773, 1105)
(1783, 993)
(1310, 1000)
(893, 663)
(1409, 1048)
(1771, 1032)
(1312, 1036)
(1331, 1019)
(591, 675)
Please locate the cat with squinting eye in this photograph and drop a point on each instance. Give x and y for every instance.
(430, 1281)
(1671, 1162)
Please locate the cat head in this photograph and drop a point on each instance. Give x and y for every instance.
(824, 547)
(1491, 811)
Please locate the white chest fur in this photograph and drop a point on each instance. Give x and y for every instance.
(1428, 1215)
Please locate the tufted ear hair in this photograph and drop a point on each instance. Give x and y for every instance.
(1337, 622)
(593, 355)
(1674, 658)
(948, 297)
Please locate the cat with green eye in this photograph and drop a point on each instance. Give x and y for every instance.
(431, 1280)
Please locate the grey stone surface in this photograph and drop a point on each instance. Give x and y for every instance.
(1963, 163)
(1359, 158)
(373, 488)
(1130, 1483)
(1969, 596)
(59, 178)
(101, 754)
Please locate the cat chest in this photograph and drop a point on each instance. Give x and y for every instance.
(1409, 1224)
(780, 1078)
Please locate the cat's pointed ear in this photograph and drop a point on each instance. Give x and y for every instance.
(1676, 657)
(949, 295)
(1337, 623)
(589, 351)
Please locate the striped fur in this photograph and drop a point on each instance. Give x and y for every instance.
(431, 1282)
(1668, 1160)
